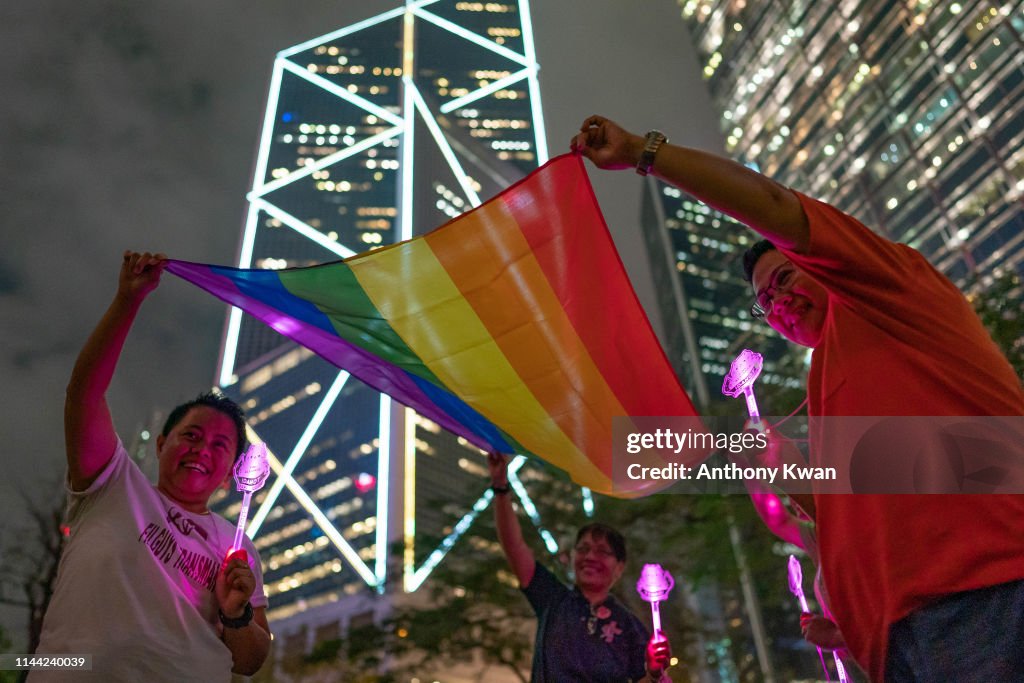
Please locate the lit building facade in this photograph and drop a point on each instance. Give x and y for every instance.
(907, 115)
(372, 133)
(695, 256)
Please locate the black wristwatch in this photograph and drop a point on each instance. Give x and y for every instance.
(500, 490)
(238, 622)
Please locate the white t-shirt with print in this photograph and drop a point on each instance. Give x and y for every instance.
(135, 587)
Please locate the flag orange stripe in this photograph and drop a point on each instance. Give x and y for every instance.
(495, 270)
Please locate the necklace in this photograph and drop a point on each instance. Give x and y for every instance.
(597, 612)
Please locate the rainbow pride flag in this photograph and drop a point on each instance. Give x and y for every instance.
(513, 325)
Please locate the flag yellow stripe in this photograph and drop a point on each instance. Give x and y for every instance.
(409, 285)
(493, 265)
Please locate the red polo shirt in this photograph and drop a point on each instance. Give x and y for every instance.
(901, 340)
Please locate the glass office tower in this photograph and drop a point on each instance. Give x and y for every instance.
(695, 256)
(907, 115)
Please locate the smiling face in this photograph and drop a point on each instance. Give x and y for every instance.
(799, 304)
(196, 457)
(595, 564)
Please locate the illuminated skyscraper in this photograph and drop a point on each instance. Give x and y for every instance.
(372, 133)
(695, 254)
(907, 115)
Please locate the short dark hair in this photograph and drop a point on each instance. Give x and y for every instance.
(217, 401)
(751, 256)
(599, 531)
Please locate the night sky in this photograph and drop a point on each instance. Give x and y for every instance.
(134, 125)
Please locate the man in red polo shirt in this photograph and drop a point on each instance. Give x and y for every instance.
(925, 587)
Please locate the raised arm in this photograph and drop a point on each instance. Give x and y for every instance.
(89, 435)
(774, 514)
(751, 198)
(520, 557)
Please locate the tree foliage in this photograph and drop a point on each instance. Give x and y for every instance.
(469, 612)
(31, 554)
(1001, 311)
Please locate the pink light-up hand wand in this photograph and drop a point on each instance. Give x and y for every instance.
(744, 370)
(796, 587)
(653, 587)
(251, 472)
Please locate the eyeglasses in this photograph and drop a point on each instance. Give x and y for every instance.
(759, 312)
(779, 282)
(601, 551)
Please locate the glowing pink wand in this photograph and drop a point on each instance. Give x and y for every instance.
(740, 379)
(653, 587)
(796, 587)
(251, 472)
